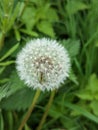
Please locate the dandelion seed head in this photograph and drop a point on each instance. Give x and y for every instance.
(43, 64)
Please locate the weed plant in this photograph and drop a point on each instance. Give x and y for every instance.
(74, 23)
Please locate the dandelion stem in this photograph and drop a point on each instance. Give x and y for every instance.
(29, 110)
(46, 112)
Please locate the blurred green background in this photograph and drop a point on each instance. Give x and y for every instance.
(74, 23)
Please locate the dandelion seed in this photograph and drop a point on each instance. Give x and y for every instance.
(43, 64)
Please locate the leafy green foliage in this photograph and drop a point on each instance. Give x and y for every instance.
(42, 21)
(46, 28)
(91, 90)
(20, 100)
(9, 52)
(1, 122)
(12, 86)
(73, 46)
(82, 111)
(77, 5)
(7, 15)
(30, 17)
(94, 106)
(74, 23)
(3, 91)
(73, 77)
(90, 93)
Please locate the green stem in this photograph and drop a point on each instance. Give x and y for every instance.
(46, 112)
(29, 110)
(2, 41)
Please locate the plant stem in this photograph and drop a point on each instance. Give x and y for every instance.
(46, 112)
(2, 40)
(29, 110)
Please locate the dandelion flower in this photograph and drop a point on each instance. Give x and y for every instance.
(43, 64)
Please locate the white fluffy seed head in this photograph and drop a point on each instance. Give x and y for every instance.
(43, 64)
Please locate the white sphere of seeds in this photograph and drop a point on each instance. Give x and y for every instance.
(43, 64)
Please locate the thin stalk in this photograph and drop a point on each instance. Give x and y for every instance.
(2, 40)
(29, 110)
(47, 110)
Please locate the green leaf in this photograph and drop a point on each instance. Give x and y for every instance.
(69, 124)
(73, 46)
(75, 6)
(51, 15)
(10, 120)
(1, 122)
(55, 112)
(17, 34)
(2, 69)
(3, 91)
(13, 15)
(10, 52)
(6, 63)
(13, 85)
(82, 111)
(26, 127)
(93, 83)
(73, 77)
(94, 107)
(15, 95)
(85, 95)
(29, 32)
(29, 20)
(78, 65)
(46, 28)
(4, 80)
(96, 95)
(19, 100)
(90, 91)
